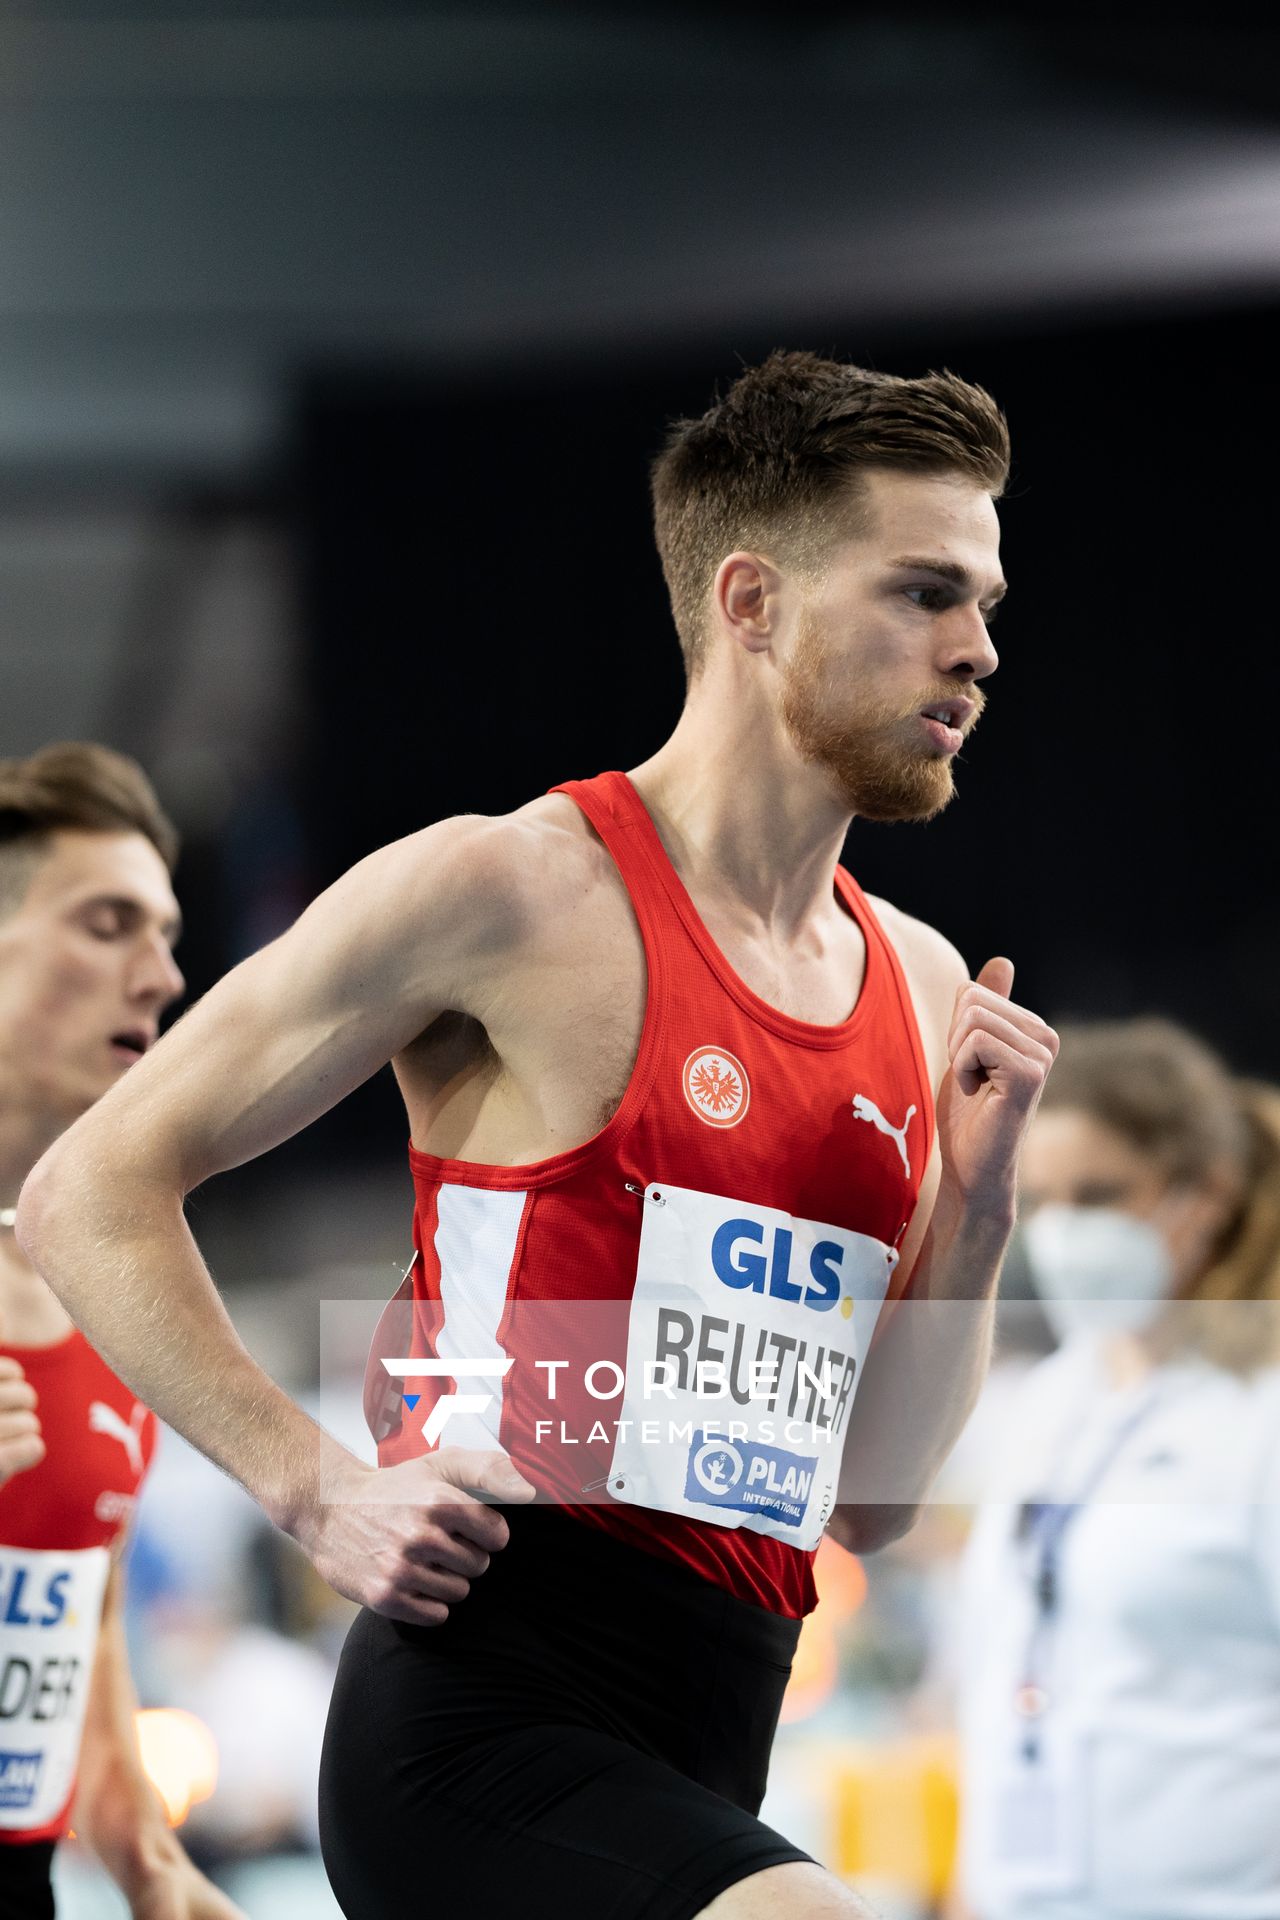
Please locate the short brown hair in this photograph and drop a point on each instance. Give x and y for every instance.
(1169, 1095)
(777, 462)
(75, 784)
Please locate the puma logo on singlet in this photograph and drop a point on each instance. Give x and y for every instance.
(866, 1109)
(105, 1419)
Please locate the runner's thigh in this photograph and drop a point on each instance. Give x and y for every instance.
(457, 1792)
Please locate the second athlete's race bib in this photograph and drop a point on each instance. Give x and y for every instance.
(746, 1340)
(50, 1615)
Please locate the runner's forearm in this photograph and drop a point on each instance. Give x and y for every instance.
(118, 1253)
(923, 1375)
(117, 1810)
(118, 1813)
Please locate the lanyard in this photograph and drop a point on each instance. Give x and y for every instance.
(1045, 1523)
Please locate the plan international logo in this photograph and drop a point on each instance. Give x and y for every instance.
(19, 1778)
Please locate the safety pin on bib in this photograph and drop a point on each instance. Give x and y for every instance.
(617, 1479)
(656, 1198)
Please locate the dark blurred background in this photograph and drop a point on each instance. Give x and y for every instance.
(335, 341)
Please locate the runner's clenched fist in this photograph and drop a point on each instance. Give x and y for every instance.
(1000, 1055)
(20, 1443)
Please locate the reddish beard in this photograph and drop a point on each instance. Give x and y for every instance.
(881, 771)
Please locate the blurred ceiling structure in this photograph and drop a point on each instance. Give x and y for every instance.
(195, 201)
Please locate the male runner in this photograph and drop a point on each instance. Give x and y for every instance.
(670, 1078)
(87, 924)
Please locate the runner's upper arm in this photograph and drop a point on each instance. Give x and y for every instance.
(935, 972)
(423, 925)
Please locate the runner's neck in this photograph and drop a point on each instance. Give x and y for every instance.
(733, 844)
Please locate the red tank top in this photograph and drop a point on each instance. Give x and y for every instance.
(59, 1522)
(664, 1327)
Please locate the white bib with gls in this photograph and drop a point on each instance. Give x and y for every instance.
(747, 1336)
(50, 1616)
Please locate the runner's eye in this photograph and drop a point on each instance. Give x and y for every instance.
(938, 599)
(104, 926)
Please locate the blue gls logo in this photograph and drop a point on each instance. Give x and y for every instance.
(20, 1608)
(741, 1259)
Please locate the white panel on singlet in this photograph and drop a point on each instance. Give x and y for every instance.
(475, 1244)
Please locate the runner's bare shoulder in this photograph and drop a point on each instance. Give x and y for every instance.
(538, 860)
(926, 954)
(934, 970)
(476, 893)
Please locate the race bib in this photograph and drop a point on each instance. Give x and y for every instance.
(50, 1614)
(745, 1345)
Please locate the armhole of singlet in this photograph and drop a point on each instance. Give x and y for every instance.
(868, 919)
(622, 836)
(637, 879)
(558, 1166)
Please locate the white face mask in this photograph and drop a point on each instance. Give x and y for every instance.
(1097, 1270)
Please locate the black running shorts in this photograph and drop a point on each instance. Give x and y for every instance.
(26, 1882)
(587, 1734)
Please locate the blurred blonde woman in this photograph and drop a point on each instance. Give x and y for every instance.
(1120, 1698)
